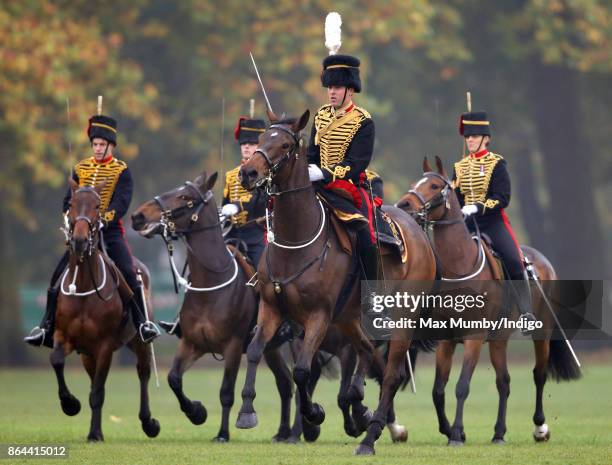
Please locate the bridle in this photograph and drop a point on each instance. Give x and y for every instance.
(93, 225)
(441, 198)
(169, 216)
(273, 168)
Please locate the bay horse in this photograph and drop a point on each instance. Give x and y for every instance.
(219, 308)
(302, 273)
(90, 315)
(434, 200)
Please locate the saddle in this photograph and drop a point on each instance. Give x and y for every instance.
(493, 258)
(389, 235)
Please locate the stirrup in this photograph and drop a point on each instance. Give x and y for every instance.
(148, 331)
(36, 337)
(169, 326)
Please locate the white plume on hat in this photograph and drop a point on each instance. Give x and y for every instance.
(333, 33)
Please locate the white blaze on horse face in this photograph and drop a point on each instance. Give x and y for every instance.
(274, 134)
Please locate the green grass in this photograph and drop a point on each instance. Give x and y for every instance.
(579, 415)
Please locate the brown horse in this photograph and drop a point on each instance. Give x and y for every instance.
(219, 308)
(302, 273)
(434, 200)
(90, 315)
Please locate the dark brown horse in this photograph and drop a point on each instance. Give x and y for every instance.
(434, 200)
(90, 315)
(219, 308)
(301, 275)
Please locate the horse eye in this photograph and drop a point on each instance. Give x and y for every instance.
(435, 186)
(285, 146)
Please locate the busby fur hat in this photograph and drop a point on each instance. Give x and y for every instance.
(104, 127)
(341, 70)
(247, 130)
(474, 124)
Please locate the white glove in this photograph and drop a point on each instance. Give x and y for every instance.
(469, 210)
(314, 173)
(229, 209)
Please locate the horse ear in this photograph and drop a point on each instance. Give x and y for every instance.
(426, 165)
(201, 179)
(272, 116)
(210, 182)
(439, 166)
(99, 187)
(302, 122)
(73, 184)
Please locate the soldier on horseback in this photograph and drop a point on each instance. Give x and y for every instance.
(245, 207)
(482, 183)
(340, 150)
(102, 167)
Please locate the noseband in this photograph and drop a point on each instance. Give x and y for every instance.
(275, 167)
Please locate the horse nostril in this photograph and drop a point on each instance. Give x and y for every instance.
(137, 219)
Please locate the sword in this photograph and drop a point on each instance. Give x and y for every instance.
(535, 279)
(261, 83)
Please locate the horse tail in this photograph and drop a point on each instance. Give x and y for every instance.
(561, 364)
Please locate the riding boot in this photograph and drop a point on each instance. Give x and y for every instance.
(523, 299)
(146, 329)
(43, 334)
(171, 327)
(371, 272)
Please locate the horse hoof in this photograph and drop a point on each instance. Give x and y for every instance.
(499, 441)
(399, 433)
(363, 421)
(246, 420)
(351, 430)
(293, 439)
(311, 432)
(151, 427)
(70, 405)
(221, 439)
(541, 433)
(362, 449)
(198, 414)
(95, 437)
(316, 416)
(454, 443)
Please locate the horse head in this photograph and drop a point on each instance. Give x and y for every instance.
(177, 211)
(428, 198)
(84, 218)
(278, 145)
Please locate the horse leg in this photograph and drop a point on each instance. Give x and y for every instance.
(232, 355)
(540, 373)
(103, 361)
(282, 375)
(471, 353)
(369, 358)
(397, 431)
(348, 362)
(186, 354)
(497, 352)
(149, 425)
(70, 404)
(268, 322)
(392, 379)
(444, 362)
(314, 333)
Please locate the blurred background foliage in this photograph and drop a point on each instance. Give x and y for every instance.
(541, 68)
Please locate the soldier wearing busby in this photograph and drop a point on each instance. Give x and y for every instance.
(102, 167)
(245, 208)
(482, 183)
(341, 147)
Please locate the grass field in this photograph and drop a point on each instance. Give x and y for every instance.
(579, 415)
